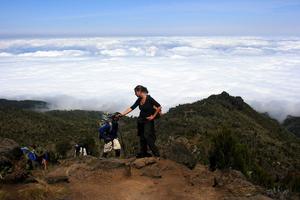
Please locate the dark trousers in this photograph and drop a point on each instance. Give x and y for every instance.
(146, 132)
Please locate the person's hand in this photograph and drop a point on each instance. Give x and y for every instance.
(119, 115)
(151, 117)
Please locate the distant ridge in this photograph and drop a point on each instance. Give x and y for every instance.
(292, 124)
(24, 104)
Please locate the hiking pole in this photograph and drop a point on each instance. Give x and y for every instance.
(123, 144)
(118, 115)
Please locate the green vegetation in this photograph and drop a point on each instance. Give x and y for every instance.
(292, 124)
(62, 147)
(26, 104)
(28, 127)
(221, 127)
(227, 153)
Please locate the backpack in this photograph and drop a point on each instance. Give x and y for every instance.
(106, 132)
(30, 155)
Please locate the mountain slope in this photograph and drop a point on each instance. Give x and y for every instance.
(28, 127)
(274, 149)
(25, 104)
(271, 150)
(292, 124)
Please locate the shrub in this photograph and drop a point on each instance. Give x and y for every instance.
(90, 144)
(228, 153)
(292, 181)
(261, 177)
(62, 148)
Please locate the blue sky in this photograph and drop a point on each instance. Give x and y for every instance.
(140, 17)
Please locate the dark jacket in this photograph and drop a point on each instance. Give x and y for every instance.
(147, 108)
(109, 132)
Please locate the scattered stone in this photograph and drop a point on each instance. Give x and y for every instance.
(152, 171)
(108, 164)
(56, 179)
(127, 170)
(235, 183)
(142, 162)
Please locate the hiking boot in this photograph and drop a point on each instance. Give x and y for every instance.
(148, 154)
(139, 155)
(143, 155)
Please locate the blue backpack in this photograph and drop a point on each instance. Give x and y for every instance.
(29, 154)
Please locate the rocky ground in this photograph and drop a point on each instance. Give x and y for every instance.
(91, 178)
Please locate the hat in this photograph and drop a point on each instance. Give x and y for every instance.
(115, 116)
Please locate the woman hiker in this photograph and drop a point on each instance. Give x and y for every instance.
(150, 109)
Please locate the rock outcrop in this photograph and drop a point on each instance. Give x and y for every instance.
(12, 166)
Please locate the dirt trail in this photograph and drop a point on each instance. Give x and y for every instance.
(176, 182)
(94, 179)
(114, 184)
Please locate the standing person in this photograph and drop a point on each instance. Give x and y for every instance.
(150, 109)
(42, 157)
(36, 156)
(109, 133)
(80, 150)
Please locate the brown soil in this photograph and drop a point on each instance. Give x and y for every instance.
(163, 179)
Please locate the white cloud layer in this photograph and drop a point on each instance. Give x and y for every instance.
(100, 73)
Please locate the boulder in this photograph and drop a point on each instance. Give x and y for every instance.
(235, 183)
(142, 162)
(9, 149)
(12, 167)
(15, 172)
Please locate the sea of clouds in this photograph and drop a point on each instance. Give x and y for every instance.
(99, 73)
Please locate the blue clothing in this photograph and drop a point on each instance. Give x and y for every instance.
(30, 155)
(46, 156)
(109, 131)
